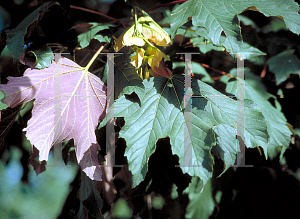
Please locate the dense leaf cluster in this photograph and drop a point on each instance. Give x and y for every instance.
(165, 159)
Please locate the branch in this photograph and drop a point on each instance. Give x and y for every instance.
(216, 70)
(98, 13)
(159, 6)
(167, 4)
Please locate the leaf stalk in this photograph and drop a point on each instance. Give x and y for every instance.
(94, 57)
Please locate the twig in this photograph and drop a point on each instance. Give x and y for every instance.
(167, 4)
(156, 7)
(98, 13)
(222, 72)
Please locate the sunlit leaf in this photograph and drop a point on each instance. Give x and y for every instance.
(137, 59)
(226, 145)
(152, 31)
(155, 56)
(148, 28)
(127, 39)
(76, 94)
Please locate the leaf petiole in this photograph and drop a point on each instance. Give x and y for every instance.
(94, 57)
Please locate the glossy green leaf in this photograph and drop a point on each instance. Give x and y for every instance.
(218, 16)
(160, 114)
(94, 32)
(284, 64)
(249, 52)
(226, 147)
(200, 38)
(205, 45)
(43, 57)
(280, 135)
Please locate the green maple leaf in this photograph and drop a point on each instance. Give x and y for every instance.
(218, 16)
(226, 148)
(43, 57)
(95, 32)
(157, 112)
(280, 134)
(284, 64)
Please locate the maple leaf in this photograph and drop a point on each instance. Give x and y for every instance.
(159, 110)
(280, 134)
(221, 16)
(284, 64)
(96, 31)
(82, 103)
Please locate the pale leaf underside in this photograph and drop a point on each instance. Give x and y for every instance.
(76, 96)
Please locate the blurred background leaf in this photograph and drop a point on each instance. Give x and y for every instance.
(42, 197)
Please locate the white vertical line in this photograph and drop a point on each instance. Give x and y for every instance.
(188, 151)
(57, 111)
(110, 131)
(240, 125)
(188, 146)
